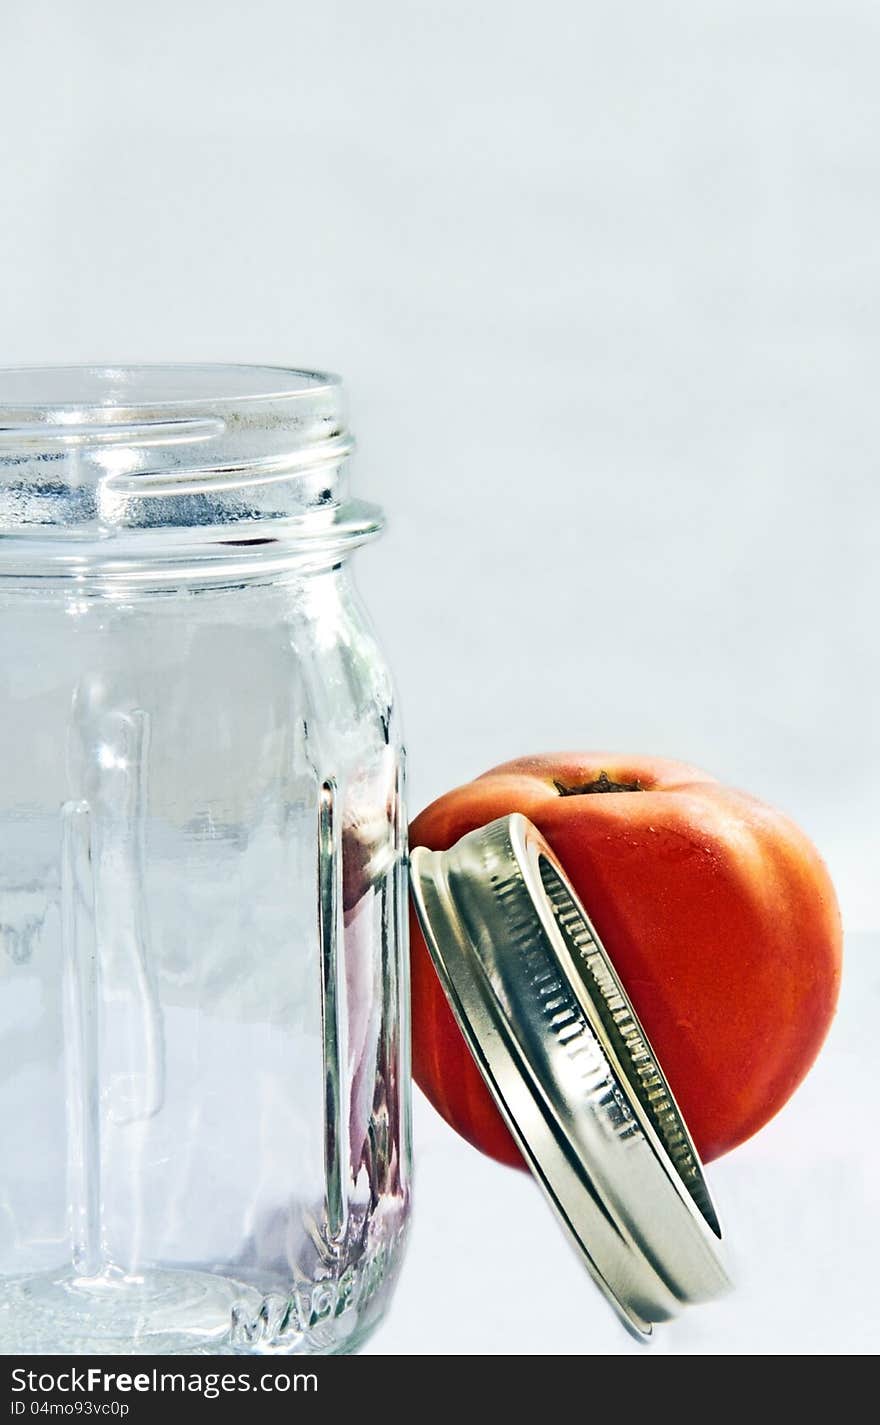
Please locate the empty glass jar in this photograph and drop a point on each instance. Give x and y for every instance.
(203, 1048)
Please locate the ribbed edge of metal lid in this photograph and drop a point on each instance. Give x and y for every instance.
(570, 1067)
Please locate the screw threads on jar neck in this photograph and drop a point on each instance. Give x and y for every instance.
(199, 455)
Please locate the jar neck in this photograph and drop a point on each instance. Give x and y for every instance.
(144, 472)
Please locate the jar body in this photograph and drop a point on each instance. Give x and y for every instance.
(204, 1072)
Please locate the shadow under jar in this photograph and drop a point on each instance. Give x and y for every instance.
(204, 1074)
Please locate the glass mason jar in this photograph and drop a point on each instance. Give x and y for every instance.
(204, 1076)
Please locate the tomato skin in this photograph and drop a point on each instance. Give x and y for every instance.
(717, 911)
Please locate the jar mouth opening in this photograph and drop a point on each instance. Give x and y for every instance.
(63, 391)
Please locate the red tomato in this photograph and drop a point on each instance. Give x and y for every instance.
(717, 911)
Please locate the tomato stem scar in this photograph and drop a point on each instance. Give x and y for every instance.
(603, 783)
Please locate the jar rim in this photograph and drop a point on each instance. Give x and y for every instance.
(100, 387)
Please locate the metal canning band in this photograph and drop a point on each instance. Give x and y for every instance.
(634, 1053)
(570, 1067)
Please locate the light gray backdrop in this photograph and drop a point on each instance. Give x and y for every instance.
(605, 285)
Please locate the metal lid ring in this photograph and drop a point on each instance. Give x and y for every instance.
(570, 1068)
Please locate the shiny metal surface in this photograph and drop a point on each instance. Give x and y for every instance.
(571, 1069)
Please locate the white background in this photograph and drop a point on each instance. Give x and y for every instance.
(488, 1271)
(604, 282)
